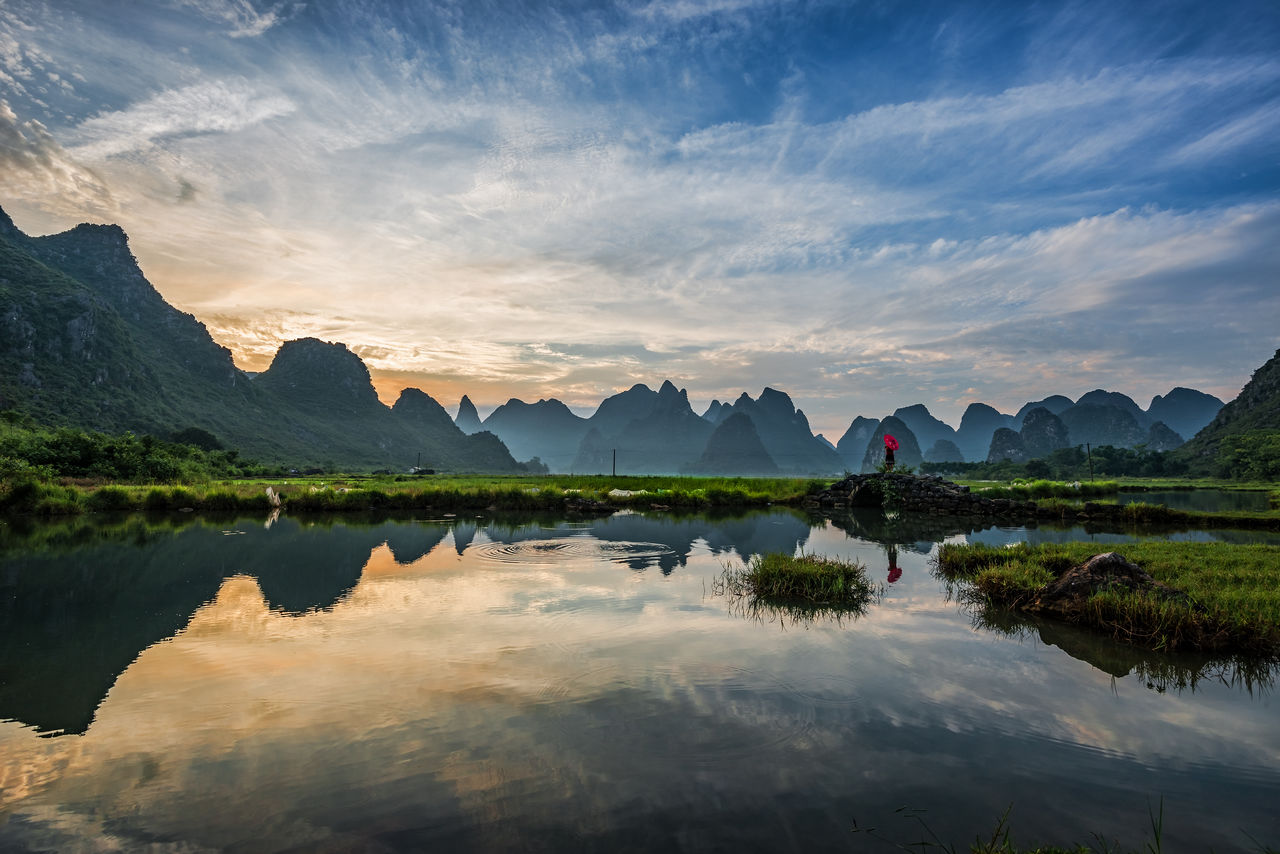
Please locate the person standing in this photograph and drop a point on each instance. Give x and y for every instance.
(890, 445)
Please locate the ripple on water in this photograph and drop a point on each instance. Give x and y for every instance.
(553, 552)
(726, 713)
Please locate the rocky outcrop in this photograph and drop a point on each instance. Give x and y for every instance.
(468, 420)
(1043, 433)
(1067, 597)
(978, 424)
(1007, 445)
(915, 494)
(908, 453)
(853, 444)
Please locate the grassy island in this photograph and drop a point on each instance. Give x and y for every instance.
(1225, 597)
(799, 587)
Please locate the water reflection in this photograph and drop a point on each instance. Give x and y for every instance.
(81, 605)
(420, 690)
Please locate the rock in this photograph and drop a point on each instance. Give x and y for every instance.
(1043, 433)
(1007, 445)
(1068, 595)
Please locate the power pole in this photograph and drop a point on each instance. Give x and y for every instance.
(615, 462)
(1089, 451)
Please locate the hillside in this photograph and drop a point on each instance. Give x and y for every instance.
(1255, 410)
(88, 342)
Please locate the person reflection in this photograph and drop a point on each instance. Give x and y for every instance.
(895, 572)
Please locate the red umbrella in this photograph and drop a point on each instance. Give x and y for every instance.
(890, 442)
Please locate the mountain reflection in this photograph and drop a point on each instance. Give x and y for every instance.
(80, 603)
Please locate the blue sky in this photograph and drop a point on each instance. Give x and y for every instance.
(867, 205)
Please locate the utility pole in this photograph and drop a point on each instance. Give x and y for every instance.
(615, 462)
(1089, 451)
(419, 465)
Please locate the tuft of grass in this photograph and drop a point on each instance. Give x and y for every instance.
(812, 579)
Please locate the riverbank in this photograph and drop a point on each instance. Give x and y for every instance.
(566, 493)
(1213, 597)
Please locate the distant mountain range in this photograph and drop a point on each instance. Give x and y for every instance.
(86, 341)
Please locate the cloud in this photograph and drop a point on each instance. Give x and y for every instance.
(35, 169)
(242, 16)
(215, 107)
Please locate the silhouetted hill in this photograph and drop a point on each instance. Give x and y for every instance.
(595, 454)
(616, 412)
(547, 430)
(786, 434)
(88, 342)
(852, 446)
(468, 419)
(943, 451)
(1257, 407)
(1054, 403)
(716, 412)
(1184, 410)
(908, 453)
(734, 448)
(318, 376)
(1043, 433)
(1099, 397)
(445, 446)
(1161, 438)
(926, 428)
(666, 440)
(978, 424)
(1007, 444)
(1102, 425)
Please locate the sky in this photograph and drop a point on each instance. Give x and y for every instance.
(865, 204)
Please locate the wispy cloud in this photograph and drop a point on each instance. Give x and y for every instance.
(243, 17)
(35, 169)
(211, 107)
(559, 201)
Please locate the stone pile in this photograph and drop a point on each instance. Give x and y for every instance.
(916, 494)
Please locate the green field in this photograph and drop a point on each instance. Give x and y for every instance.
(408, 493)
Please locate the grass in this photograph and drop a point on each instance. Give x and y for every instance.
(402, 493)
(1232, 592)
(799, 587)
(1031, 490)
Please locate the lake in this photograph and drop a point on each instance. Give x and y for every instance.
(551, 685)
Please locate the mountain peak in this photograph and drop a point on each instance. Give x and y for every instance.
(468, 420)
(319, 374)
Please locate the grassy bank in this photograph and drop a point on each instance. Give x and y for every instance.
(1232, 592)
(399, 494)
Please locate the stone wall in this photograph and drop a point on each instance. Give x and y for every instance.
(916, 494)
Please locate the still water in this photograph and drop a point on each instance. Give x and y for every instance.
(1201, 500)
(548, 685)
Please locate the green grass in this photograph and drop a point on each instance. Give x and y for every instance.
(1029, 490)
(805, 578)
(1232, 591)
(402, 493)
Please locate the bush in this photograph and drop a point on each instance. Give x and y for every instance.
(110, 499)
